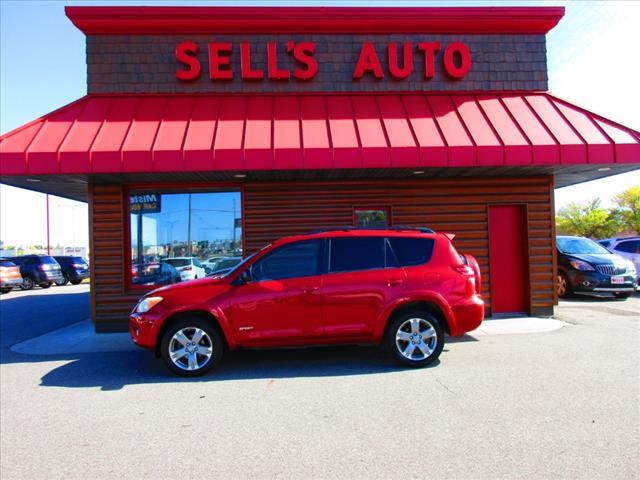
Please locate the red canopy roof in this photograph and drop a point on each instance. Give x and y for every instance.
(180, 133)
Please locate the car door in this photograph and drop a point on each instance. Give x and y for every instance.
(362, 278)
(281, 303)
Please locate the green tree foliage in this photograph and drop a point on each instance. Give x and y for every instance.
(587, 220)
(629, 208)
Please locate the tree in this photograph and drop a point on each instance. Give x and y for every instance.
(587, 220)
(629, 208)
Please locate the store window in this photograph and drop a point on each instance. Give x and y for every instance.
(177, 236)
(371, 217)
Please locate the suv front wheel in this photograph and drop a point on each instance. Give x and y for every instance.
(191, 347)
(415, 338)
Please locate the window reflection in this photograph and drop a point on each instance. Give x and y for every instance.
(183, 236)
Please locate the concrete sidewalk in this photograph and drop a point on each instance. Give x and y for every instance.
(80, 338)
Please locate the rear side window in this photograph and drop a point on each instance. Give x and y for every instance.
(7, 263)
(412, 251)
(628, 247)
(351, 254)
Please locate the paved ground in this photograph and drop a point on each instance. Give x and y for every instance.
(563, 403)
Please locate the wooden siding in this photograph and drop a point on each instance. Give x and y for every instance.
(275, 209)
(456, 205)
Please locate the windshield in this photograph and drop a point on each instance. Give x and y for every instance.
(580, 246)
(177, 262)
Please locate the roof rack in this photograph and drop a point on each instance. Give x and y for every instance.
(395, 228)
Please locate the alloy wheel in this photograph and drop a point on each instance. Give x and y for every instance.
(562, 286)
(416, 339)
(190, 348)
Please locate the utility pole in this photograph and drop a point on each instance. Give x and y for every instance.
(189, 229)
(48, 237)
(233, 242)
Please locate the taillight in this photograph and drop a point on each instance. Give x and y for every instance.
(471, 268)
(186, 269)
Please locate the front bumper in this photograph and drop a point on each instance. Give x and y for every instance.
(598, 283)
(143, 329)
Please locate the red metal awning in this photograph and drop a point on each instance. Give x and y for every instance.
(101, 134)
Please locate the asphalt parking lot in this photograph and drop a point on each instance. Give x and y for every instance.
(559, 404)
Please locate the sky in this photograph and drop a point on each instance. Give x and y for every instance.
(42, 67)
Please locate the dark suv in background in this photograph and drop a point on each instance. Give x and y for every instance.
(74, 269)
(41, 270)
(586, 268)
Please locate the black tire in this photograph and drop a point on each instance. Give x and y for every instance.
(403, 322)
(211, 337)
(28, 283)
(5, 290)
(61, 283)
(46, 284)
(622, 295)
(76, 282)
(568, 290)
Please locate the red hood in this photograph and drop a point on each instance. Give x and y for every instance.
(196, 290)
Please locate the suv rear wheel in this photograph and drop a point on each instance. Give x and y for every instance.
(415, 338)
(28, 283)
(191, 347)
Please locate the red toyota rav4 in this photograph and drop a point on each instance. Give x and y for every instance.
(403, 288)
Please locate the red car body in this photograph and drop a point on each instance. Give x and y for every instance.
(330, 308)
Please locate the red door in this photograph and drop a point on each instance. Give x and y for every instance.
(508, 259)
(282, 303)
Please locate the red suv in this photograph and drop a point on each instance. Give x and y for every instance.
(400, 287)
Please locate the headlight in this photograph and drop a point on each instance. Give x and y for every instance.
(631, 268)
(147, 304)
(582, 266)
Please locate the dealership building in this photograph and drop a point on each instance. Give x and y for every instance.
(208, 132)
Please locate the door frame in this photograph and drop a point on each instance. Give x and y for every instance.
(525, 207)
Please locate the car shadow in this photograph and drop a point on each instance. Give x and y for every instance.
(114, 371)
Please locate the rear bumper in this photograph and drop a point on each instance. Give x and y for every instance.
(468, 315)
(10, 282)
(79, 275)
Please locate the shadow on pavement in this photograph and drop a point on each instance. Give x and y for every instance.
(113, 371)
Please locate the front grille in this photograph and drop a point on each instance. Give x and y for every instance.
(610, 269)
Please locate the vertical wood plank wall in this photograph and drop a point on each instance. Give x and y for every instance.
(275, 209)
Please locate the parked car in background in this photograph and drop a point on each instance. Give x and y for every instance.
(402, 288)
(9, 275)
(221, 265)
(585, 267)
(627, 247)
(210, 263)
(190, 268)
(42, 270)
(154, 273)
(74, 269)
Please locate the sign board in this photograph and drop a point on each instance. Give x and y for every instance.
(145, 203)
(238, 223)
(399, 56)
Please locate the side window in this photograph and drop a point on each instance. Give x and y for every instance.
(412, 251)
(351, 254)
(300, 259)
(628, 247)
(197, 263)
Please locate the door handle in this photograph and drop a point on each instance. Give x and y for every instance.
(309, 289)
(394, 282)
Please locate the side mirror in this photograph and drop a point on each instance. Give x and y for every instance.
(244, 277)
